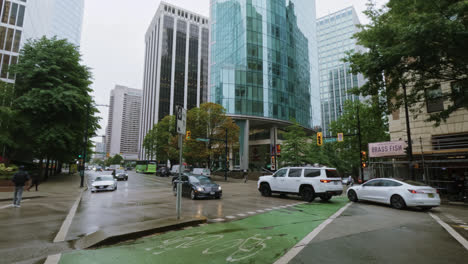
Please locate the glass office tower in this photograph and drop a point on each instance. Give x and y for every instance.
(335, 33)
(264, 67)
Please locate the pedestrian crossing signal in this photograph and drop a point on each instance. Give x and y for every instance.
(319, 139)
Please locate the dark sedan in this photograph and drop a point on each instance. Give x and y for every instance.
(198, 186)
(121, 175)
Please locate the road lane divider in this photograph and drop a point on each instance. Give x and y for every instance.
(306, 240)
(451, 231)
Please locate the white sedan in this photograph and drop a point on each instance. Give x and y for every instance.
(397, 193)
(104, 183)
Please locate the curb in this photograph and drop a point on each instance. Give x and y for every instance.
(117, 234)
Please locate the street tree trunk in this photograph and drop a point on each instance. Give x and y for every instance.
(46, 175)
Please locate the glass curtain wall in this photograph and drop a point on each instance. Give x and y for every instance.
(263, 56)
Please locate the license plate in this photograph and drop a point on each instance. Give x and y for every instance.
(336, 183)
(431, 195)
(212, 193)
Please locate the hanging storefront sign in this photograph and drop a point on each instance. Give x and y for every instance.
(387, 149)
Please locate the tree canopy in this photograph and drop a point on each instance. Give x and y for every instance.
(52, 101)
(294, 146)
(418, 43)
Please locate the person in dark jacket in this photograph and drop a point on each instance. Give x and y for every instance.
(19, 179)
(34, 180)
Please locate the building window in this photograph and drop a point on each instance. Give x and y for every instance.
(434, 100)
(453, 141)
(459, 92)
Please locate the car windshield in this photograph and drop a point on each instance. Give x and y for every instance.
(414, 183)
(200, 179)
(120, 171)
(104, 178)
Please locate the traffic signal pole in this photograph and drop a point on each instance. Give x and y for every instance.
(408, 134)
(360, 143)
(85, 148)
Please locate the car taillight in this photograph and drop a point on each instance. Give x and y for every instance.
(414, 191)
(325, 181)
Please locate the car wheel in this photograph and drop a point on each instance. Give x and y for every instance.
(265, 189)
(193, 196)
(115, 189)
(308, 194)
(217, 197)
(325, 197)
(352, 196)
(397, 202)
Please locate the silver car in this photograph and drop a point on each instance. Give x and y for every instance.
(104, 183)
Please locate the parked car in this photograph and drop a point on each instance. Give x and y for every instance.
(201, 171)
(107, 168)
(104, 183)
(175, 169)
(397, 193)
(163, 172)
(197, 186)
(98, 168)
(307, 182)
(121, 175)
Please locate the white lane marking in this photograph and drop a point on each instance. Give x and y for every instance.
(450, 230)
(251, 213)
(60, 237)
(230, 217)
(268, 209)
(11, 205)
(260, 211)
(53, 259)
(218, 220)
(241, 215)
(306, 240)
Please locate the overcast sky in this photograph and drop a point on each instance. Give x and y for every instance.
(112, 41)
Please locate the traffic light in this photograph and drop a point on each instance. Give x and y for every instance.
(319, 139)
(363, 159)
(80, 156)
(188, 134)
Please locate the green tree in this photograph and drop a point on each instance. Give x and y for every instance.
(7, 118)
(374, 128)
(52, 101)
(161, 141)
(209, 121)
(116, 159)
(295, 146)
(414, 43)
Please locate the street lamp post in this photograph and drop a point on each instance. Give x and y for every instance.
(85, 147)
(408, 134)
(360, 143)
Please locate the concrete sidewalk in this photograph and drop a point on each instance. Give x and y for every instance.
(60, 184)
(28, 232)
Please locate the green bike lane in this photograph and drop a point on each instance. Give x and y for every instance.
(262, 238)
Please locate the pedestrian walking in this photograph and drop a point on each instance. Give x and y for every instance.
(246, 175)
(19, 179)
(34, 180)
(350, 181)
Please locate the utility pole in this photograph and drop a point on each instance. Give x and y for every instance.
(360, 143)
(408, 134)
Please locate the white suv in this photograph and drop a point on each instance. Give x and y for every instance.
(308, 182)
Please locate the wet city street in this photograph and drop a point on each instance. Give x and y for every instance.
(147, 197)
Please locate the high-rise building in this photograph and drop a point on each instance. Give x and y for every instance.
(124, 122)
(334, 33)
(61, 18)
(176, 65)
(21, 20)
(12, 20)
(264, 70)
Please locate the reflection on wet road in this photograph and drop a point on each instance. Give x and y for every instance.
(148, 197)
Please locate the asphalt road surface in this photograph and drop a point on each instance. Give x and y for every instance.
(147, 197)
(373, 233)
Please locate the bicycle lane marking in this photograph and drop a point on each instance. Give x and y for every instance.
(260, 238)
